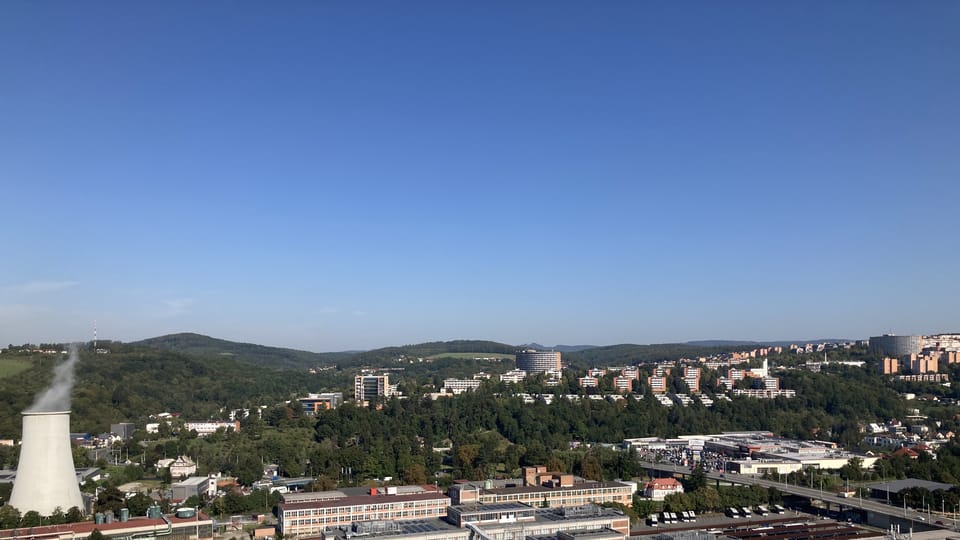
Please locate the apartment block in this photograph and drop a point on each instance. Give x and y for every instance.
(890, 366)
(623, 384)
(588, 382)
(459, 386)
(368, 387)
(691, 376)
(658, 384)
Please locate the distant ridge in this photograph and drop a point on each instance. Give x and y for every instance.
(248, 353)
(781, 343)
(561, 348)
(381, 357)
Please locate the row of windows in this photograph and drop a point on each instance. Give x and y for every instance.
(367, 508)
(316, 523)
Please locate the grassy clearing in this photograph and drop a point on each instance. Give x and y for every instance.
(10, 367)
(473, 356)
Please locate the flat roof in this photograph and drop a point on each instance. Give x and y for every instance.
(541, 489)
(364, 499)
(87, 527)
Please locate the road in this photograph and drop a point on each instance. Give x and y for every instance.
(812, 494)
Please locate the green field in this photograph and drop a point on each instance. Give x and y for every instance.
(473, 355)
(13, 366)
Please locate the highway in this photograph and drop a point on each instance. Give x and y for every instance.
(813, 494)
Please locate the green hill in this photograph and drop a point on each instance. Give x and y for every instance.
(385, 356)
(247, 353)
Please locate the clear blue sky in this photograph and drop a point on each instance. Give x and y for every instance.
(344, 175)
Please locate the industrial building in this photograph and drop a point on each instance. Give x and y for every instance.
(190, 525)
(497, 521)
(540, 487)
(201, 486)
(534, 361)
(335, 509)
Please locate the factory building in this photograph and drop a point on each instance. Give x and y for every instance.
(497, 521)
(309, 516)
(540, 487)
(186, 524)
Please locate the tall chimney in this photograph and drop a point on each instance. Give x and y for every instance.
(46, 478)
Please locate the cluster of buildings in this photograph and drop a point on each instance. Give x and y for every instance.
(747, 452)
(917, 355)
(913, 431)
(203, 428)
(540, 503)
(374, 386)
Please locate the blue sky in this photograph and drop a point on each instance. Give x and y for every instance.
(345, 175)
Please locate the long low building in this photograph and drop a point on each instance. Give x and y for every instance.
(312, 517)
(541, 488)
(498, 522)
(195, 527)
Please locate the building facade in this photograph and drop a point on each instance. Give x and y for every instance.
(892, 345)
(367, 388)
(314, 403)
(209, 428)
(534, 361)
(459, 386)
(311, 518)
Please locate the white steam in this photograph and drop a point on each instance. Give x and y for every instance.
(57, 397)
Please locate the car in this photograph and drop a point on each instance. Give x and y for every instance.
(921, 518)
(938, 522)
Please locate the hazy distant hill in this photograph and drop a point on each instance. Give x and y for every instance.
(782, 343)
(248, 353)
(561, 348)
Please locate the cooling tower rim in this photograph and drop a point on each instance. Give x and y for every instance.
(41, 413)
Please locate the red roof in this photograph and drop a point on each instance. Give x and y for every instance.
(86, 527)
(906, 452)
(663, 483)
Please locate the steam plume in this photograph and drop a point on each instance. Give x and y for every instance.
(57, 396)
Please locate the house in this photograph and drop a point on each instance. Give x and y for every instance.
(659, 488)
(181, 467)
(908, 452)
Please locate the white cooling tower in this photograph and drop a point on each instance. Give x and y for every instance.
(46, 478)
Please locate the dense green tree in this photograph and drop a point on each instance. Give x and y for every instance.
(696, 480)
(9, 517)
(30, 519)
(73, 515)
(110, 499)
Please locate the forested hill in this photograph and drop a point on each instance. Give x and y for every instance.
(247, 353)
(381, 357)
(129, 386)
